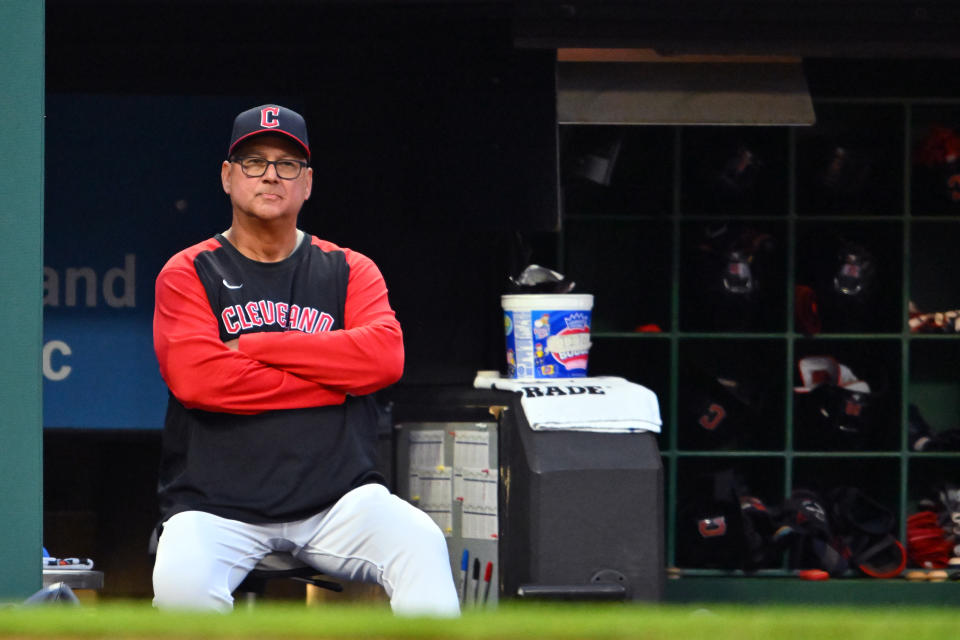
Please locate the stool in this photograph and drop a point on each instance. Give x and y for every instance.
(280, 564)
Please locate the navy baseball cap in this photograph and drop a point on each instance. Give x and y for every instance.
(273, 119)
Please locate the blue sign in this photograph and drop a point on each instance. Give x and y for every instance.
(130, 180)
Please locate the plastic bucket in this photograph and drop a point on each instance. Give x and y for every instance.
(548, 335)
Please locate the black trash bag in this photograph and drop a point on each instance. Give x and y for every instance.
(537, 279)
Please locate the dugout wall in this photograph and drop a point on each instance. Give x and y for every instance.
(21, 230)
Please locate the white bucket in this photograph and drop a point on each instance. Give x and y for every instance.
(548, 335)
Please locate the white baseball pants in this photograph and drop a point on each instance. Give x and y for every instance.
(369, 535)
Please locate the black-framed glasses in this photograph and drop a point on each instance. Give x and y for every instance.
(255, 166)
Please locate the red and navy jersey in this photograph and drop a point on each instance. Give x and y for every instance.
(281, 427)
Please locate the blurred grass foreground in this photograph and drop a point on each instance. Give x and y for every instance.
(510, 620)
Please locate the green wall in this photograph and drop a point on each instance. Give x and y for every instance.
(21, 288)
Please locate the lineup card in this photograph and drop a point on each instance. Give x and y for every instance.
(479, 523)
(471, 450)
(426, 449)
(468, 486)
(476, 488)
(475, 484)
(432, 490)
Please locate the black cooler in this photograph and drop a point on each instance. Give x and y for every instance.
(581, 514)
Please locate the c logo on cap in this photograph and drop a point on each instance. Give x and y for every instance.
(268, 117)
(712, 527)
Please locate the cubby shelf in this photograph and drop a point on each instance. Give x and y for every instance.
(708, 232)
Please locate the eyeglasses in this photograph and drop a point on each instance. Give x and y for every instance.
(254, 167)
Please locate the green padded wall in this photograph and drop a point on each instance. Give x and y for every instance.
(21, 289)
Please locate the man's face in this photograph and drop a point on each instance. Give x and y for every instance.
(267, 197)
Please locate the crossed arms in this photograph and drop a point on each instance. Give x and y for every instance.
(274, 370)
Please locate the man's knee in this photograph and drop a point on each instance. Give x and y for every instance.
(180, 583)
(188, 592)
(397, 521)
(422, 577)
(422, 533)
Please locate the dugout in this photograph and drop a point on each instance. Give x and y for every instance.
(468, 112)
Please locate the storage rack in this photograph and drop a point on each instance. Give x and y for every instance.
(632, 242)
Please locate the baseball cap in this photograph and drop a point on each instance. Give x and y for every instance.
(273, 119)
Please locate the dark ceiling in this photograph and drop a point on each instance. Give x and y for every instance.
(159, 46)
(807, 28)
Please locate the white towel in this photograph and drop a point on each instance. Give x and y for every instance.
(603, 404)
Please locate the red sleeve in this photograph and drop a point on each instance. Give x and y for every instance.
(364, 356)
(202, 372)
